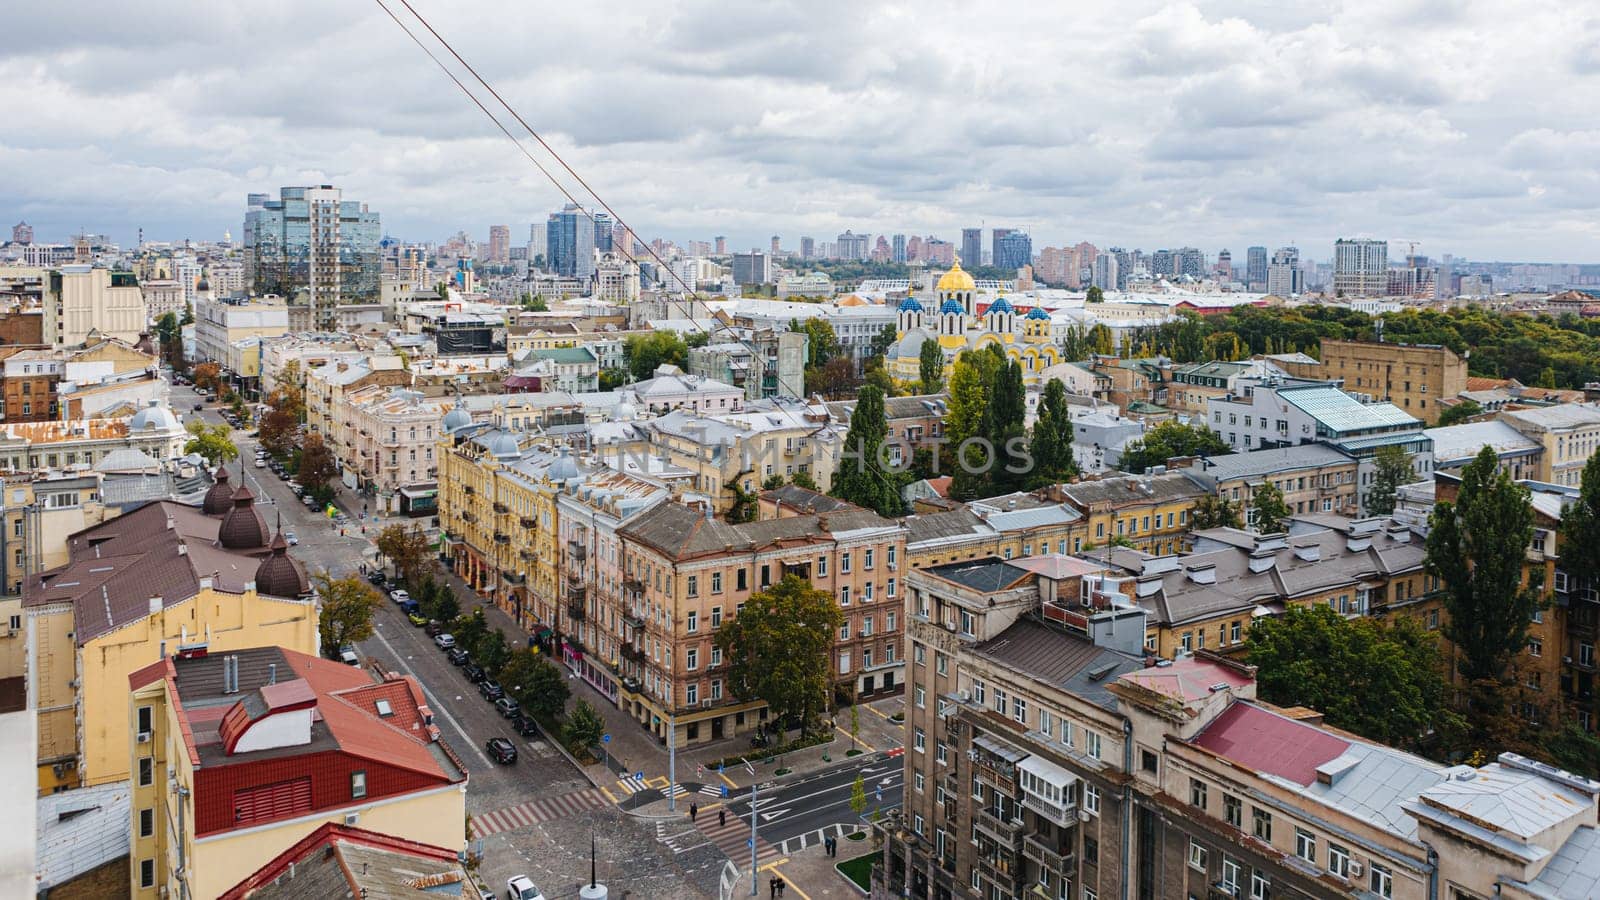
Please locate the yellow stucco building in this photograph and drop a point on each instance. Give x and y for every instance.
(162, 580)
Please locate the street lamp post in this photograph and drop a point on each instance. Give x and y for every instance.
(754, 782)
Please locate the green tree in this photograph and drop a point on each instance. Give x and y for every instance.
(822, 344)
(835, 378)
(780, 649)
(862, 478)
(1459, 412)
(1580, 528)
(804, 479)
(1004, 427)
(645, 352)
(858, 796)
(773, 482)
(612, 379)
(1053, 459)
(930, 364)
(971, 391)
(214, 443)
(534, 304)
(535, 683)
(443, 605)
(1211, 511)
(584, 726)
(1392, 469)
(408, 549)
(491, 652)
(1477, 547)
(1272, 514)
(1171, 439)
(745, 504)
(1384, 681)
(884, 339)
(317, 466)
(207, 376)
(1094, 295)
(469, 630)
(346, 608)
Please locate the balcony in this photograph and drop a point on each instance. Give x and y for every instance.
(1052, 853)
(513, 577)
(526, 522)
(633, 585)
(468, 489)
(500, 537)
(633, 621)
(575, 612)
(631, 653)
(469, 516)
(577, 550)
(1003, 831)
(501, 508)
(576, 592)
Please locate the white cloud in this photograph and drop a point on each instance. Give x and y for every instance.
(1138, 123)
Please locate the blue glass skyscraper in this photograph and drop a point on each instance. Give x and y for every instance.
(569, 237)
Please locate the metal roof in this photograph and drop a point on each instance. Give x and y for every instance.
(1459, 443)
(1339, 412)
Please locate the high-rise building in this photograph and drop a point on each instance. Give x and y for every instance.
(1128, 262)
(972, 246)
(722, 245)
(1284, 275)
(914, 248)
(1360, 267)
(538, 242)
(899, 251)
(499, 244)
(853, 246)
(1081, 267)
(602, 232)
(1188, 261)
(311, 242)
(570, 243)
(1162, 264)
(1013, 250)
(995, 237)
(776, 247)
(1106, 272)
(808, 247)
(752, 268)
(1224, 268)
(1255, 267)
(22, 233)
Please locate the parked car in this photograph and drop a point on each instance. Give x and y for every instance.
(508, 707)
(399, 595)
(291, 537)
(474, 673)
(457, 656)
(502, 751)
(348, 656)
(434, 628)
(444, 641)
(296, 490)
(525, 725)
(417, 619)
(377, 578)
(199, 406)
(309, 501)
(488, 687)
(520, 887)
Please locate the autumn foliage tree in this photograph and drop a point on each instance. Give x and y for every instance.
(317, 466)
(207, 376)
(407, 549)
(347, 605)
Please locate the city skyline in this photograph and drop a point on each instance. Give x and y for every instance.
(1223, 125)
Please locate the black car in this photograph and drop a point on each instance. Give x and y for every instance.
(377, 578)
(525, 726)
(491, 689)
(502, 750)
(457, 657)
(474, 673)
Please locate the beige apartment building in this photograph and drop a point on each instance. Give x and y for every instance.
(1569, 434)
(81, 300)
(1414, 377)
(685, 573)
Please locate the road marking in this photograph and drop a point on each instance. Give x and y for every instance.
(874, 710)
(724, 777)
(609, 795)
(711, 790)
(857, 739)
(435, 704)
(769, 816)
(789, 881)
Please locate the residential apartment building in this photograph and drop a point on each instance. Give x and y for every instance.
(1008, 526)
(743, 449)
(238, 757)
(1569, 435)
(1269, 413)
(670, 389)
(1313, 478)
(914, 423)
(386, 438)
(83, 301)
(1360, 268)
(1454, 446)
(1414, 377)
(313, 248)
(363, 863)
(328, 386)
(218, 325)
(685, 573)
(570, 369)
(1146, 512)
(765, 363)
(1191, 386)
(164, 579)
(1044, 759)
(105, 378)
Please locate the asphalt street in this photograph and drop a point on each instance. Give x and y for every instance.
(789, 809)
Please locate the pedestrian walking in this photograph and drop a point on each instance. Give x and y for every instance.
(694, 810)
(772, 888)
(781, 885)
(722, 817)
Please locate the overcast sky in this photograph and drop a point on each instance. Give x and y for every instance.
(1468, 127)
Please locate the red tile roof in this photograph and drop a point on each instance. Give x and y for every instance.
(1267, 742)
(330, 834)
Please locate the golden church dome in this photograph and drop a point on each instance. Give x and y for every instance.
(957, 279)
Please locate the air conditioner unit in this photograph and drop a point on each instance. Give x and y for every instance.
(1084, 815)
(1355, 870)
(144, 737)
(706, 703)
(892, 566)
(352, 818)
(972, 755)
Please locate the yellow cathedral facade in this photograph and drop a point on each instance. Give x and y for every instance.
(957, 327)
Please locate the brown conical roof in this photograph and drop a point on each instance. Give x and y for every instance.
(279, 575)
(243, 528)
(220, 498)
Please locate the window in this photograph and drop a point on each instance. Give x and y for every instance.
(822, 567)
(716, 582)
(1090, 895)
(716, 613)
(691, 694)
(1380, 880)
(1066, 732)
(919, 654)
(147, 822)
(358, 784)
(1091, 799)
(1197, 856)
(844, 595)
(844, 563)
(144, 711)
(716, 689)
(694, 585)
(1148, 761)
(1091, 851)
(1197, 793)
(1233, 810)
(917, 778)
(1305, 845)
(1019, 710)
(967, 622)
(1260, 885)
(1261, 823)
(1091, 744)
(716, 657)
(891, 556)
(866, 561)
(892, 588)
(691, 622)
(1338, 860)
(147, 771)
(941, 753)
(691, 659)
(844, 631)
(1230, 875)
(741, 579)
(147, 873)
(940, 663)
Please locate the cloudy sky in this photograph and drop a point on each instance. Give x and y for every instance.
(1466, 126)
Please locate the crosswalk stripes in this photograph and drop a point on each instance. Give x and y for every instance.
(631, 784)
(534, 812)
(733, 837)
(675, 790)
(711, 790)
